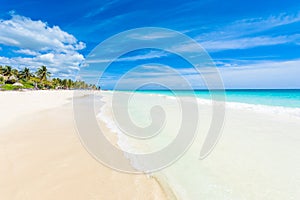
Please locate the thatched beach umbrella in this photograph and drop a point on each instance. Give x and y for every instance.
(12, 78)
(18, 84)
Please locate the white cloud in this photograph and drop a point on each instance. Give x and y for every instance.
(241, 34)
(173, 78)
(149, 55)
(264, 64)
(240, 74)
(233, 36)
(152, 35)
(45, 45)
(187, 47)
(161, 70)
(237, 43)
(25, 33)
(26, 52)
(267, 23)
(245, 43)
(237, 35)
(61, 62)
(242, 28)
(102, 8)
(7, 40)
(263, 74)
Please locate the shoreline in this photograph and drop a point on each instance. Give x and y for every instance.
(167, 190)
(113, 137)
(26, 149)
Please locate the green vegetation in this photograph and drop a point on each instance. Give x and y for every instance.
(12, 79)
(10, 87)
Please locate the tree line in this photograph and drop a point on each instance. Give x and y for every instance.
(11, 78)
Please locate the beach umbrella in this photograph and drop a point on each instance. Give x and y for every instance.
(13, 77)
(18, 84)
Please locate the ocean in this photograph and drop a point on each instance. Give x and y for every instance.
(256, 157)
(270, 97)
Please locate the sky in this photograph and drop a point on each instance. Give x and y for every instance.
(253, 44)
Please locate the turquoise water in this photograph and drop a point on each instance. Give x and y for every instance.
(246, 141)
(284, 98)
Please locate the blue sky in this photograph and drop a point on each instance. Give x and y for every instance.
(254, 44)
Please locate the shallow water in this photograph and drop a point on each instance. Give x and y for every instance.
(257, 156)
(284, 98)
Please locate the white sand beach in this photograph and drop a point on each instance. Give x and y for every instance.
(41, 156)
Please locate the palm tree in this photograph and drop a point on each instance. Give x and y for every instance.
(15, 72)
(1, 69)
(65, 83)
(70, 83)
(43, 73)
(7, 71)
(25, 74)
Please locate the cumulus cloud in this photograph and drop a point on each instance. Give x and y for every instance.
(26, 52)
(51, 60)
(39, 44)
(25, 33)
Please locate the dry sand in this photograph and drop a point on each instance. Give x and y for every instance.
(42, 158)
